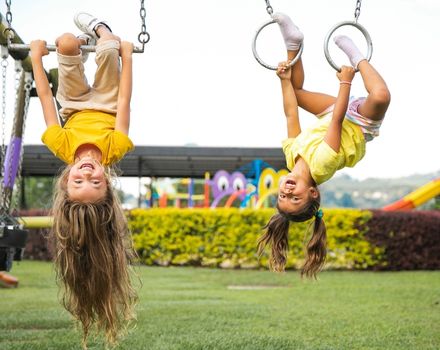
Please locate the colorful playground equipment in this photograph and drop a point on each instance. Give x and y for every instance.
(417, 197)
(252, 186)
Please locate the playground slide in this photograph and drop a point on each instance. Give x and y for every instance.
(417, 197)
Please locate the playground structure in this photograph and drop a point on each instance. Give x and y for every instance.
(252, 186)
(12, 233)
(417, 197)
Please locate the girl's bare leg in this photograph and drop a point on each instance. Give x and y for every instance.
(310, 101)
(105, 34)
(313, 102)
(378, 99)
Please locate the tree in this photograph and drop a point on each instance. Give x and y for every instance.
(38, 192)
(346, 201)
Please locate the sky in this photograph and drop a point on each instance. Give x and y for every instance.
(198, 83)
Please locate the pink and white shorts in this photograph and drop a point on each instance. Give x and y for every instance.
(369, 127)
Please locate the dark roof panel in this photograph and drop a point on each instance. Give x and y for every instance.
(163, 161)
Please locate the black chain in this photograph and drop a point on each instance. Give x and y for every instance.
(357, 11)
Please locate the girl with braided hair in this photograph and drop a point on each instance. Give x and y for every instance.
(337, 140)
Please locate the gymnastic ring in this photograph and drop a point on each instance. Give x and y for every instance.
(257, 57)
(341, 24)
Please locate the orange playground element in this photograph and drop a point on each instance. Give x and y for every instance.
(417, 197)
(8, 281)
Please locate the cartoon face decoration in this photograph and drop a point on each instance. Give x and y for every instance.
(224, 184)
(269, 180)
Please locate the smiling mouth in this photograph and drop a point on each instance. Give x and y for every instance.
(87, 166)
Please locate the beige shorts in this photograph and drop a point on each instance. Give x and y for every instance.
(74, 92)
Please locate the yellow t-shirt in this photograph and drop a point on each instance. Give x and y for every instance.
(322, 160)
(88, 127)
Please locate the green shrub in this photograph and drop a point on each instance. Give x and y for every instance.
(227, 238)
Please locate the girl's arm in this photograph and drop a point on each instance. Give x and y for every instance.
(333, 135)
(290, 103)
(38, 50)
(125, 88)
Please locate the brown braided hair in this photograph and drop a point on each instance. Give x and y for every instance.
(277, 232)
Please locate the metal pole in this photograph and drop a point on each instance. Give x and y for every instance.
(85, 48)
(20, 51)
(139, 181)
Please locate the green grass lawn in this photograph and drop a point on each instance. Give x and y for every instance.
(189, 308)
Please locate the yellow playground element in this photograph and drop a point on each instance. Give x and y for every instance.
(31, 222)
(417, 197)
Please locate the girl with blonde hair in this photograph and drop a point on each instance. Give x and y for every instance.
(93, 247)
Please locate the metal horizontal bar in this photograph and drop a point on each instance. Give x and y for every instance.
(84, 48)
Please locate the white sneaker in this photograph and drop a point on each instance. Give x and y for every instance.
(89, 40)
(88, 23)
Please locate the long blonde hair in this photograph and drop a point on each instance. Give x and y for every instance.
(93, 254)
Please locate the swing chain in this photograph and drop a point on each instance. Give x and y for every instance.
(6, 203)
(269, 8)
(4, 65)
(8, 31)
(27, 88)
(357, 11)
(143, 36)
(8, 13)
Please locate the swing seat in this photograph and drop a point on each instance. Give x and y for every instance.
(12, 244)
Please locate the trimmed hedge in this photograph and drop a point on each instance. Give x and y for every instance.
(227, 238)
(357, 239)
(410, 240)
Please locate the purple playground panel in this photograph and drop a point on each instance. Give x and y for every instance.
(12, 161)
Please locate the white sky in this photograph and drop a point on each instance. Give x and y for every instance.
(199, 83)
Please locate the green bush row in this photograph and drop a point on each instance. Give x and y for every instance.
(227, 238)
